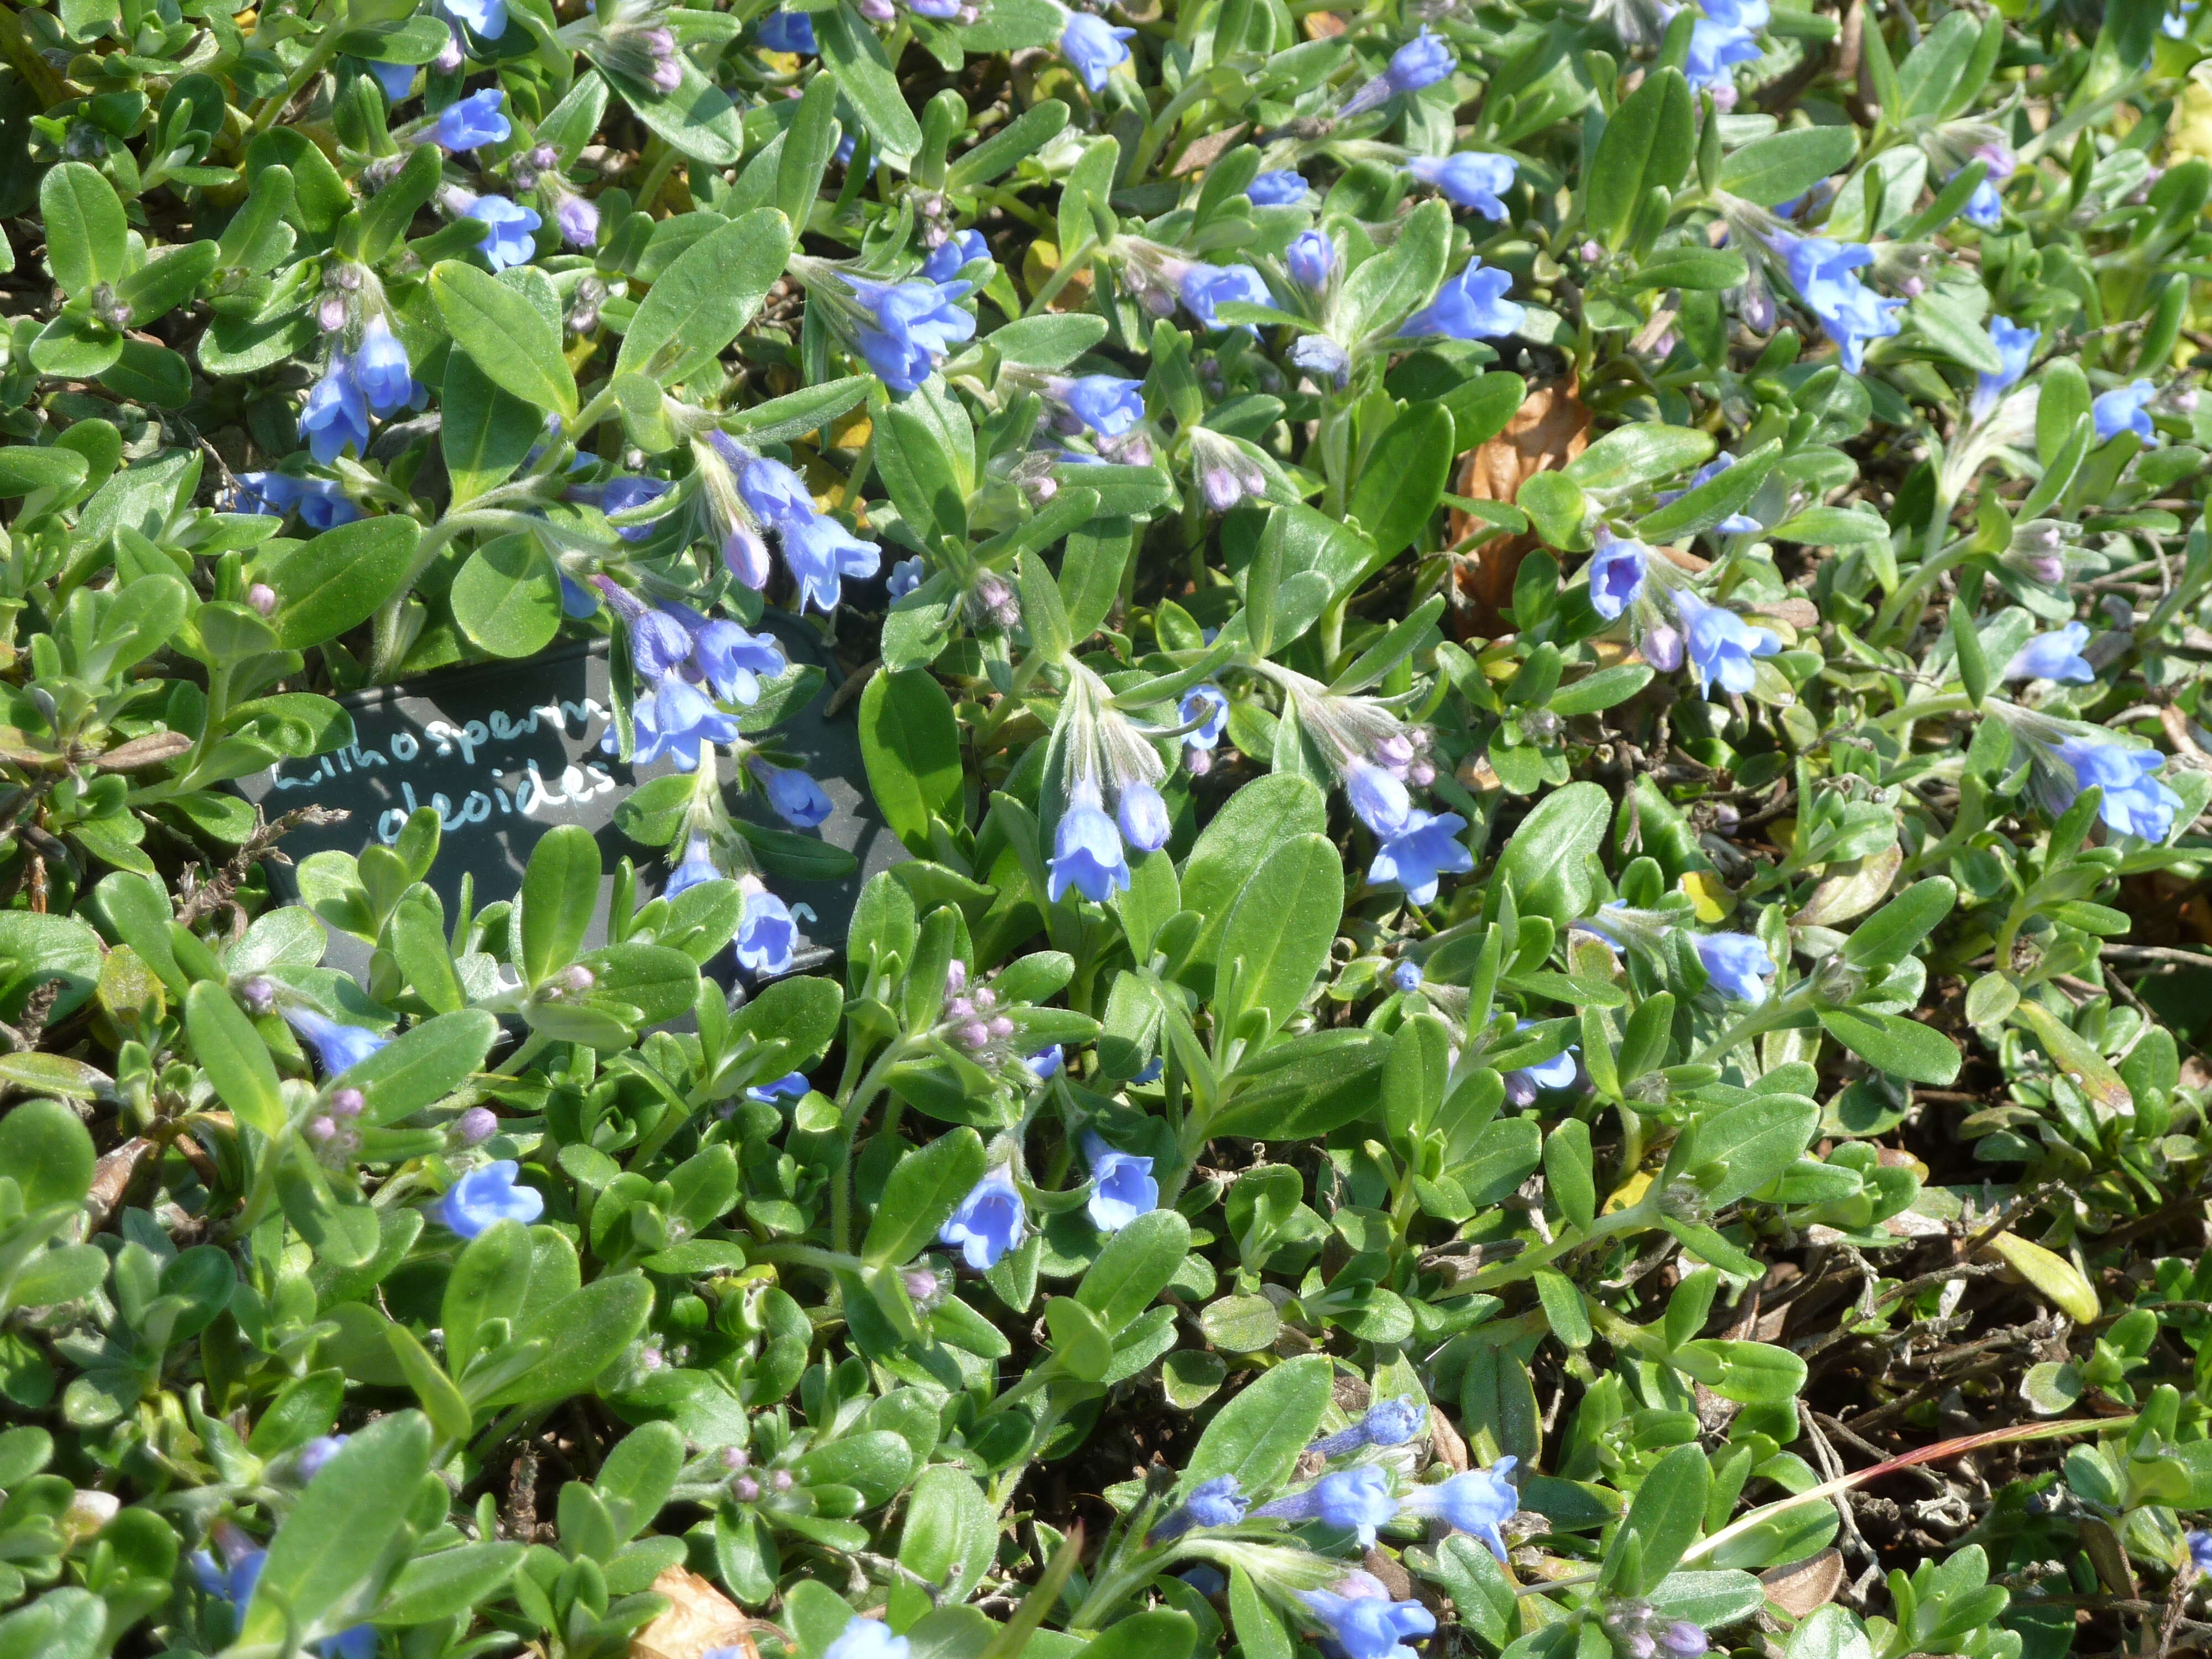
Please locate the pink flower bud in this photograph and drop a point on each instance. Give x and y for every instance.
(348, 1103)
(261, 597)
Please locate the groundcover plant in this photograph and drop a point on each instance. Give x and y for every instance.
(1538, 667)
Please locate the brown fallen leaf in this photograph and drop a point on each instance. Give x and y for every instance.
(1549, 430)
(1803, 1586)
(699, 1620)
(1450, 1447)
(111, 1178)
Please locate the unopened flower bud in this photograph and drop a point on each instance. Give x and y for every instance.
(956, 977)
(974, 1035)
(259, 995)
(261, 597)
(331, 313)
(348, 1103)
(476, 1125)
(449, 58)
(577, 978)
(322, 1130)
(745, 1489)
(985, 999)
(1002, 1028)
(781, 1480)
(735, 1458)
(651, 1359)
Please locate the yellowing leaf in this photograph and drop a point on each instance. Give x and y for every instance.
(2052, 1274)
(1709, 894)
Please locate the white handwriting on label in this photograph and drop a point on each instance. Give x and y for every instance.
(526, 791)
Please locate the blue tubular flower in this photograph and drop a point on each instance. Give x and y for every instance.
(819, 551)
(577, 602)
(1219, 1502)
(788, 31)
(1311, 260)
(915, 324)
(1737, 963)
(476, 120)
(1045, 1065)
(1284, 189)
(1086, 852)
(1822, 272)
(1722, 644)
(2200, 1549)
(396, 79)
(1984, 209)
(775, 493)
(867, 1638)
(767, 934)
(1211, 702)
(1093, 47)
(624, 494)
(2134, 802)
(381, 368)
(659, 644)
(324, 504)
(1406, 975)
(1390, 1423)
(1469, 177)
(263, 495)
(2121, 410)
(1357, 1499)
(509, 241)
(1379, 798)
(792, 1086)
(1421, 62)
(905, 576)
(1106, 403)
(1616, 576)
(1205, 287)
(1369, 1625)
(733, 661)
(339, 1047)
(485, 17)
(989, 1222)
(491, 1193)
(796, 798)
(1480, 1502)
(1471, 306)
(336, 415)
(1426, 848)
(1715, 49)
(955, 254)
(1142, 816)
(1122, 1190)
(2015, 345)
(673, 719)
(698, 865)
(2053, 657)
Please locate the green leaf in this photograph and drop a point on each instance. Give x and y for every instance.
(1752, 1141)
(1138, 1263)
(337, 581)
(584, 1334)
(910, 743)
(1647, 146)
(442, 1401)
(434, 1587)
(24, 468)
(697, 117)
(1888, 936)
(2077, 1056)
(1277, 939)
(516, 345)
(1257, 1435)
(46, 1147)
(923, 1190)
(866, 77)
(1404, 477)
(1546, 862)
(85, 228)
(559, 890)
(234, 1057)
(1668, 1514)
(338, 1526)
(483, 432)
(489, 1280)
(1641, 454)
(699, 304)
(422, 1066)
(2056, 1277)
(1786, 164)
(1899, 1047)
(506, 597)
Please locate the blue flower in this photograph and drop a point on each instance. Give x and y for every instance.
(339, 1047)
(1379, 798)
(1219, 1502)
(2200, 1549)
(796, 798)
(1722, 644)
(905, 576)
(1616, 576)
(1094, 47)
(2121, 410)
(2134, 802)
(1389, 1423)
(788, 31)
(1427, 846)
(485, 17)
(396, 79)
(659, 644)
(1284, 189)
(1822, 272)
(733, 661)
(1480, 1501)
(818, 551)
(1558, 1072)
(1985, 207)
(1211, 702)
(1736, 524)
(476, 120)
(698, 865)
(1470, 177)
(1143, 817)
(915, 323)
(1737, 965)
(380, 369)
(1471, 306)
(491, 1193)
(989, 1222)
(336, 415)
(1122, 1190)
(673, 719)
(316, 1454)
(577, 601)
(867, 1638)
(1106, 403)
(2053, 657)
(955, 254)
(1045, 1065)
(1311, 260)
(775, 492)
(1205, 287)
(627, 492)
(322, 503)
(1421, 62)
(792, 1086)
(1406, 975)
(1086, 853)
(509, 241)
(1369, 1625)
(1153, 1067)
(2015, 345)
(1357, 1499)
(1716, 48)
(767, 934)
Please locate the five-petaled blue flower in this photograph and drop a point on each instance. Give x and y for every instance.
(1094, 47)
(1471, 306)
(1219, 1502)
(491, 1193)
(2121, 410)
(336, 415)
(1205, 287)
(955, 254)
(380, 369)
(476, 120)
(1421, 62)
(1616, 576)
(2053, 657)
(508, 243)
(989, 1221)
(672, 720)
(1406, 975)
(1141, 813)
(1387, 1423)
(1379, 796)
(395, 78)
(1122, 1190)
(1722, 644)
(915, 322)
(1208, 704)
(795, 797)
(1824, 274)
(1106, 403)
(1715, 49)
(1311, 260)
(1086, 853)
(1427, 846)
(1369, 1625)
(698, 865)
(485, 17)
(1480, 1501)
(2134, 802)
(1472, 179)
(1737, 965)
(1358, 1499)
(788, 31)
(767, 933)
(1283, 189)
